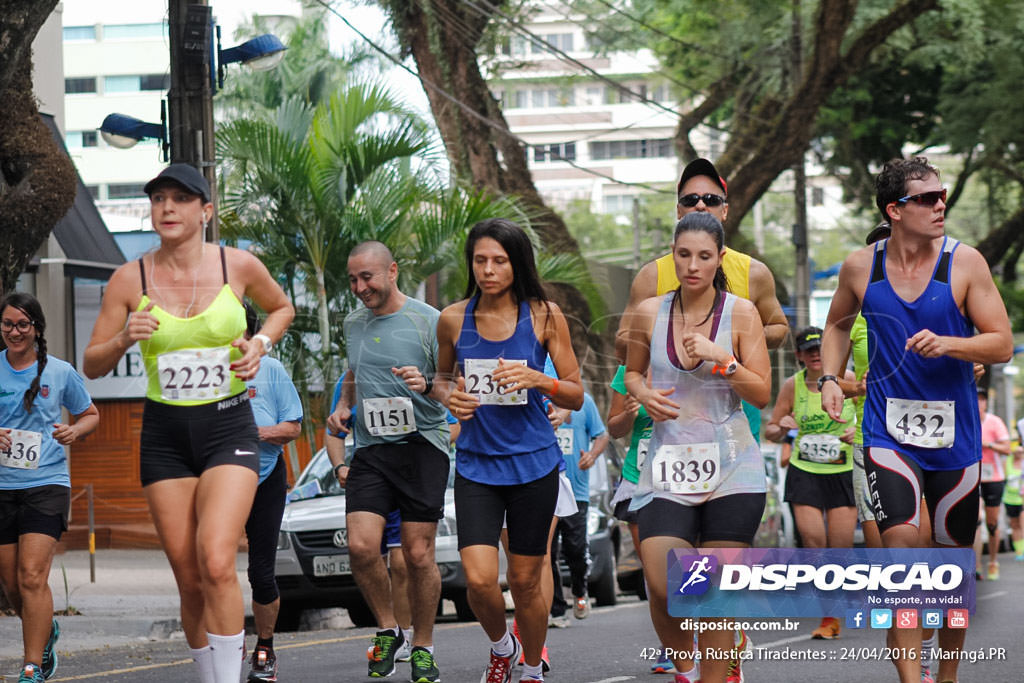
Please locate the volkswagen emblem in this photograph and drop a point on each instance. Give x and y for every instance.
(340, 538)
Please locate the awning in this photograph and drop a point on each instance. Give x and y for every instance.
(90, 249)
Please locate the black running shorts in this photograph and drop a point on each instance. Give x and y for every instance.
(409, 476)
(897, 483)
(733, 518)
(526, 508)
(185, 441)
(36, 510)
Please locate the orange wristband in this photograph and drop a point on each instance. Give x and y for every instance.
(554, 387)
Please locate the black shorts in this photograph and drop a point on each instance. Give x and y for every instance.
(822, 491)
(992, 493)
(897, 483)
(527, 509)
(733, 518)
(409, 476)
(36, 510)
(1012, 511)
(185, 441)
(623, 513)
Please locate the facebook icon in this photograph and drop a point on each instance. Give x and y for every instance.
(854, 618)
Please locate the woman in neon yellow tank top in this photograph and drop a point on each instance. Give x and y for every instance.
(199, 446)
(819, 479)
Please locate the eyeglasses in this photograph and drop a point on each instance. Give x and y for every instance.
(22, 325)
(690, 200)
(925, 198)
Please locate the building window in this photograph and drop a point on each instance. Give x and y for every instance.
(79, 33)
(817, 196)
(617, 203)
(125, 190)
(76, 139)
(155, 82)
(115, 84)
(79, 85)
(631, 149)
(129, 31)
(565, 151)
(559, 41)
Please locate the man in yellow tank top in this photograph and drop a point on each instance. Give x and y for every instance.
(701, 188)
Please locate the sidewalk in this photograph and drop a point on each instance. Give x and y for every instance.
(134, 599)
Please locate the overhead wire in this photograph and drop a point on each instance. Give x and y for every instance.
(469, 110)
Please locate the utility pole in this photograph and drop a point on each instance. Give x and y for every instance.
(803, 275)
(191, 94)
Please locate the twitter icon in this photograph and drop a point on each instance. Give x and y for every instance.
(881, 618)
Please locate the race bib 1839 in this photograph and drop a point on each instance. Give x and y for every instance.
(686, 468)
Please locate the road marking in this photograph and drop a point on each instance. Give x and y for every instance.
(991, 595)
(288, 646)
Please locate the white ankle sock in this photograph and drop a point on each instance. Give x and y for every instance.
(503, 647)
(203, 657)
(535, 671)
(227, 656)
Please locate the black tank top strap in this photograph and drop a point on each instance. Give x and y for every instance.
(878, 265)
(142, 274)
(945, 265)
(223, 265)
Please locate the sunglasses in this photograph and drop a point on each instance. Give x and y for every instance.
(925, 198)
(690, 200)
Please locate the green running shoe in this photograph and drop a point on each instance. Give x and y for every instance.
(424, 666)
(382, 659)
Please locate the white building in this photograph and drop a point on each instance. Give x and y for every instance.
(600, 128)
(116, 60)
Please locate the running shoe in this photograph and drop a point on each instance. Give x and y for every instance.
(262, 665)
(663, 665)
(545, 661)
(828, 630)
(581, 607)
(404, 651)
(31, 674)
(559, 622)
(499, 669)
(1019, 558)
(680, 678)
(993, 571)
(735, 670)
(382, 661)
(49, 664)
(926, 674)
(532, 679)
(424, 666)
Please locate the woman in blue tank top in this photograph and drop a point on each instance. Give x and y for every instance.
(494, 341)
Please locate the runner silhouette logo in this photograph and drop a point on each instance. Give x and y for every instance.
(696, 575)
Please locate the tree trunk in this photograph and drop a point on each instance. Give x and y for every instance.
(442, 36)
(37, 180)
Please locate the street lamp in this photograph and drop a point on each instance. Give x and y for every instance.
(261, 53)
(123, 131)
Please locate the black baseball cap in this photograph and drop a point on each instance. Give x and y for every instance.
(700, 167)
(808, 338)
(879, 232)
(184, 175)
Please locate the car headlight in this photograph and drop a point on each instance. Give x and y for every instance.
(594, 517)
(446, 526)
(283, 542)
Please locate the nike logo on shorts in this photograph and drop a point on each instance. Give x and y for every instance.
(238, 452)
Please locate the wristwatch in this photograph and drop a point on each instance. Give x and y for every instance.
(826, 378)
(731, 367)
(265, 340)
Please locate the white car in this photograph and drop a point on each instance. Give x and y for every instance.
(313, 569)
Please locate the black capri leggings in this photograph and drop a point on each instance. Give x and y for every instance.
(262, 529)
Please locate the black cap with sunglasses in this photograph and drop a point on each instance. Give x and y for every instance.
(701, 167)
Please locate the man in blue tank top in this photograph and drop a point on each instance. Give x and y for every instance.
(401, 458)
(923, 295)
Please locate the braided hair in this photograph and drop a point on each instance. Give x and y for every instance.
(29, 305)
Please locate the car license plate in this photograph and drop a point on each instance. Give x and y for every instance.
(331, 565)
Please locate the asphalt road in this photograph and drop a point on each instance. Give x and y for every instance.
(606, 648)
